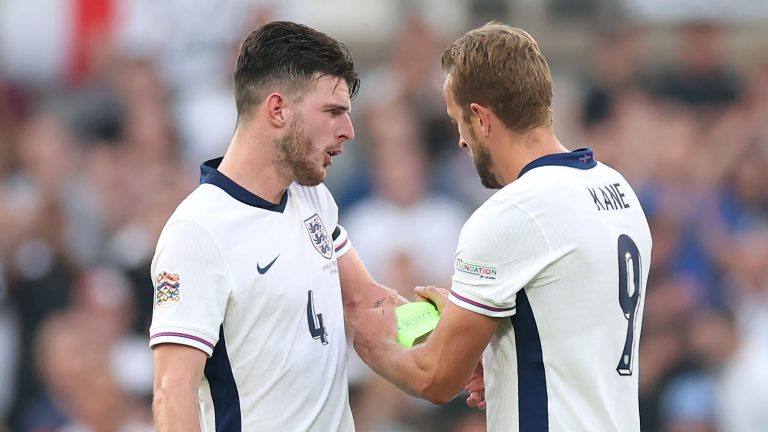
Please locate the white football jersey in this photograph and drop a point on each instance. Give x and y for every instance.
(564, 253)
(255, 285)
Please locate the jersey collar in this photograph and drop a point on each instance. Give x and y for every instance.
(211, 175)
(581, 159)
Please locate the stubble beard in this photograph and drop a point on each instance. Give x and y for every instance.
(484, 167)
(481, 156)
(294, 152)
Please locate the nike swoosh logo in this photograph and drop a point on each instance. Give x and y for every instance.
(265, 269)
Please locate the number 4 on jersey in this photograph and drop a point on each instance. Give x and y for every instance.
(315, 321)
(630, 273)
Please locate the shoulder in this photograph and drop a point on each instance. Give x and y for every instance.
(500, 221)
(183, 234)
(507, 205)
(187, 246)
(198, 215)
(205, 203)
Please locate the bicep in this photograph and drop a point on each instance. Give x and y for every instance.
(192, 288)
(178, 367)
(495, 260)
(178, 374)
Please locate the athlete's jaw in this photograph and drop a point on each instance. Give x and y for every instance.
(484, 166)
(309, 173)
(296, 154)
(482, 159)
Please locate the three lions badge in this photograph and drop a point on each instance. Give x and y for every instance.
(319, 236)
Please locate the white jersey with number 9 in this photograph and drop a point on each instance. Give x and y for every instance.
(563, 254)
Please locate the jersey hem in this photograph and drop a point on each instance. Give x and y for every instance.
(182, 336)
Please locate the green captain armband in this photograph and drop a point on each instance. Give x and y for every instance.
(414, 321)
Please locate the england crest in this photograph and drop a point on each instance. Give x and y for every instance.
(319, 236)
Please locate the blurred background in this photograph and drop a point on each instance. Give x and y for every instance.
(107, 108)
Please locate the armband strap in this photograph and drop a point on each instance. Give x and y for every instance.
(341, 243)
(414, 321)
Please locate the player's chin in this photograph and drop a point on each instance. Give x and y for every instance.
(312, 178)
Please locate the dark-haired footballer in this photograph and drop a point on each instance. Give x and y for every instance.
(253, 276)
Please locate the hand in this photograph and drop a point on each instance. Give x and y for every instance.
(375, 328)
(436, 295)
(476, 388)
(398, 299)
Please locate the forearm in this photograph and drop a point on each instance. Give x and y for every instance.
(437, 369)
(365, 296)
(176, 409)
(415, 371)
(359, 290)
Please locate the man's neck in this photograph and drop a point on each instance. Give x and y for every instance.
(517, 151)
(250, 162)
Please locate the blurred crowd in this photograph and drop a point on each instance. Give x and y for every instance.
(96, 152)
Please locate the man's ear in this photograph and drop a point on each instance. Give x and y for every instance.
(277, 110)
(481, 115)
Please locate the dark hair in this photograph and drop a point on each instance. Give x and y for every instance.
(501, 67)
(288, 55)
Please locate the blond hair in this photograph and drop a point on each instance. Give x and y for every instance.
(502, 68)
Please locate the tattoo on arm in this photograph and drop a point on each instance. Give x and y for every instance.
(379, 302)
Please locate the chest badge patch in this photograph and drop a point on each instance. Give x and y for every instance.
(167, 288)
(318, 235)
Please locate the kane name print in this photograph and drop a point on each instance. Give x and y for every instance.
(608, 197)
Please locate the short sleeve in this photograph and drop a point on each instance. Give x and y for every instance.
(328, 206)
(501, 249)
(192, 286)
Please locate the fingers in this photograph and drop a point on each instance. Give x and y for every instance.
(476, 400)
(391, 299)
(400, 300)
(475, 384)
(433, 290)
(436, 295)
(476, 388)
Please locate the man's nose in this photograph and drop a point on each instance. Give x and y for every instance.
(347, 131)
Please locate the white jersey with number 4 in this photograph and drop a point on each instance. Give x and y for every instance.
(255, 286)
(562, 254)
